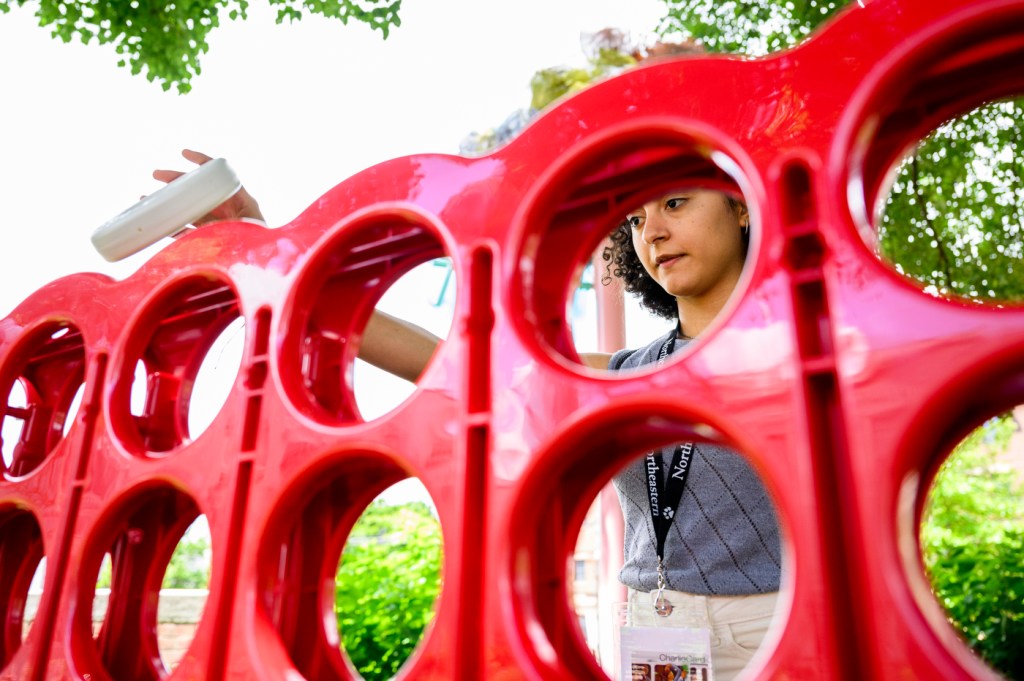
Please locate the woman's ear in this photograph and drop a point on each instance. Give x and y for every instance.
(742, 214)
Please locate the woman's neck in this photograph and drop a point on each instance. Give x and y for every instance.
(696, 314)
(698, 311)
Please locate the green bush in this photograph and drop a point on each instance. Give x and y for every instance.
(972, 539)
(387, 582)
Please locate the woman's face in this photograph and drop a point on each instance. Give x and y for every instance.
(690, 242)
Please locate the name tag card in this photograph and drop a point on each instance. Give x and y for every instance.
(665, 654)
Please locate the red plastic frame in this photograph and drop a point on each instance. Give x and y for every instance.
(843, 383)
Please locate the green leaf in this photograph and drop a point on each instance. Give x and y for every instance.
(164, 40)
(386, 586)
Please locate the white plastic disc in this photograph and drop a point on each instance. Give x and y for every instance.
(167, 211)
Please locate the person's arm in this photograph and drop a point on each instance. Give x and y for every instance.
(240, 206)
(596, 360)
(388, 343)
(397, 346)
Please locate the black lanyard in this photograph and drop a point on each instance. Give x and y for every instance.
(665, 496)
(664, 493)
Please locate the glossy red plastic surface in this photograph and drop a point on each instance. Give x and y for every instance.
(843, 383)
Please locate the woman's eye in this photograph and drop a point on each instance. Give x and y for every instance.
(675, 202)
(634, 221)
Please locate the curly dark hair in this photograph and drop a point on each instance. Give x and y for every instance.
(624, 263)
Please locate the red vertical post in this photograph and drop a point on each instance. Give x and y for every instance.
(611, 336)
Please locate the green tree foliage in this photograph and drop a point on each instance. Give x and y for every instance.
(190, 564)
(746, 26)
(972, 540)
(165, 39)
(549, 84)
(954, 219)
(387, 582)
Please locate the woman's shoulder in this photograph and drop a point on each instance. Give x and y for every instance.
(637, 357)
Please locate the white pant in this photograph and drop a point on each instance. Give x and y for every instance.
(738, 623)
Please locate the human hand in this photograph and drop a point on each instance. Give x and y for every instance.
(240, 206)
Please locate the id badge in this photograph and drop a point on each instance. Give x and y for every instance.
(665, 654)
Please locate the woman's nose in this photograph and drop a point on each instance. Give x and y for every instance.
(655, 228)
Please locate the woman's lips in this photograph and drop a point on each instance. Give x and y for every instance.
(668, 261)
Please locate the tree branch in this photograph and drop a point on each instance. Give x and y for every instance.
(940, 249)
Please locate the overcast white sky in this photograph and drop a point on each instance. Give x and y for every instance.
(295, 108)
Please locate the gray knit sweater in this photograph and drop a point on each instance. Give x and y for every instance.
(724, 539)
